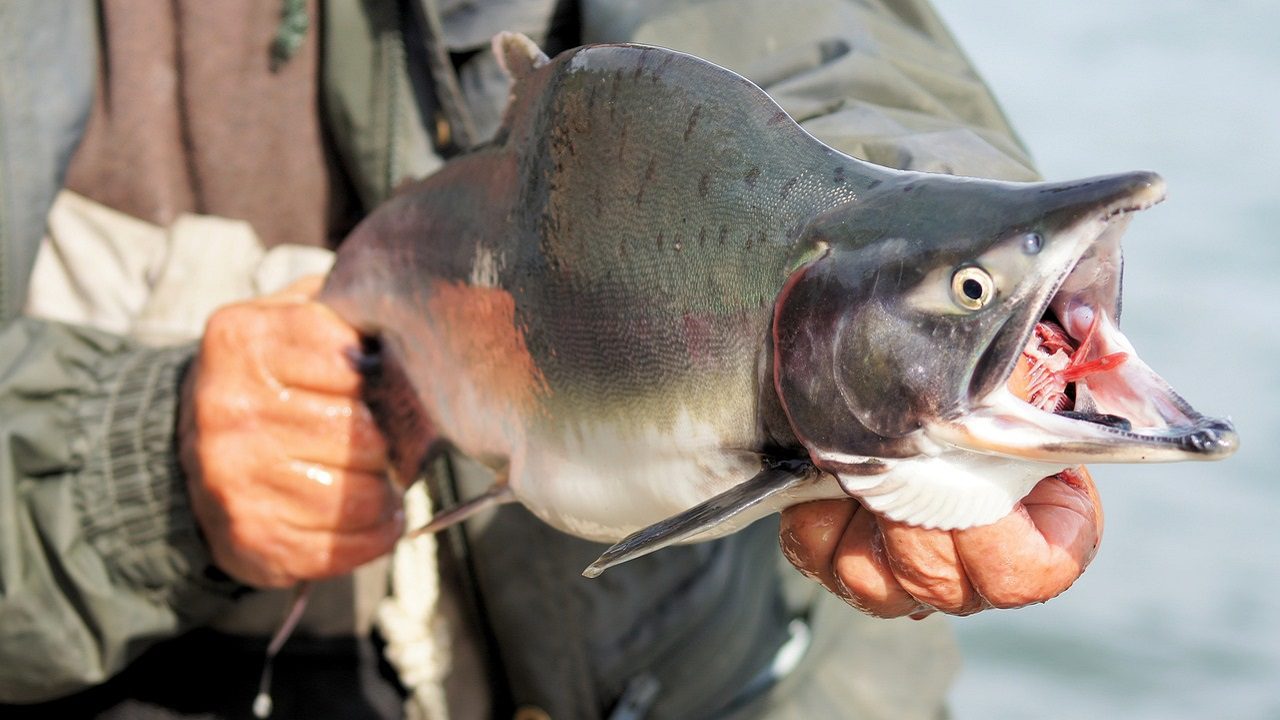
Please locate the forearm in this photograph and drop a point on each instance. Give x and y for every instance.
(99, 552)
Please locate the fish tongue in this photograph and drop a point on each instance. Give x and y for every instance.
(1041, 377)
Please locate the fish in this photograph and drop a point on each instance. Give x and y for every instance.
(658, 310)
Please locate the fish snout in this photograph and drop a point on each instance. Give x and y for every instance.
(1103, 197)
(1217, 438)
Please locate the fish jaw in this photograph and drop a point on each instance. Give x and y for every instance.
(1157, 424)
(1164, 428)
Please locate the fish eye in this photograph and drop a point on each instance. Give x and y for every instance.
(1032, 242)
(972, 287)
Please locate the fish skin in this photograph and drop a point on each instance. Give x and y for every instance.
(652, 283)
(527, 218)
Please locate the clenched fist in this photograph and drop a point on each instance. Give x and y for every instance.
(285, 466)
(890, 569)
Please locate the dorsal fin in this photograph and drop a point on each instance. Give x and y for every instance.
(517, 55)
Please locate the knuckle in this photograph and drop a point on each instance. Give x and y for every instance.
(243, 538)
(227, 323)
(254, 557)
(877, 605)
(231, 329)
(1011, 593)
(364, 510)
(218, 404)
(863, 592)
(314, 563)
(221, 468)
(945, 595)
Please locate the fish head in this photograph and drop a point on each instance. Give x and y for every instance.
(901, 324)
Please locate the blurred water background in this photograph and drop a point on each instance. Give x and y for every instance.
(1179, 615)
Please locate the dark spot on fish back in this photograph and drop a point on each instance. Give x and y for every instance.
(661, 236)
(650, 171)
(656, 75)
(838, 175)
(702, 237)
(693, 122)
(752, 175)
(644, 53)
(613, 92)
(778, 117)
(787, 186)
(724, 234)
(704, 185)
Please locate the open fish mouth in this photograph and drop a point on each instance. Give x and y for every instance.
(1075, 389)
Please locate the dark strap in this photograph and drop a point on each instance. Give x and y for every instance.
(425, 47)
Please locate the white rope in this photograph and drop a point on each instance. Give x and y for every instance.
(418, 642)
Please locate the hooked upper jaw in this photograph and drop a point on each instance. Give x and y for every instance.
(1124, 413)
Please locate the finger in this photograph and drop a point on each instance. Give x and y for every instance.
(862, 574)
(312, 348)
(322, 555)
(299, 345)
(1013, 563)
(810, 534)
(1081, 481)
(927, 565)
(327, 429)
(309, 496)
(254, 532)
(1067, 512)
(304, 288)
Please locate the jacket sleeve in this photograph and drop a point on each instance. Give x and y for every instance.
(99, 553)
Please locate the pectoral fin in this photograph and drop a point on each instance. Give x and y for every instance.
(498, 494)
(774, 479)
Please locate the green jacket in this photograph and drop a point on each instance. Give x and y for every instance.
(99, 554)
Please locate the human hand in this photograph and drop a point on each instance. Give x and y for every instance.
(285, 465)
(890, 569)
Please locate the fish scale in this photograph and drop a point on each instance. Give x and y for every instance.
(628, 256)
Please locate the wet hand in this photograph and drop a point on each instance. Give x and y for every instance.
(890, 569)
(285, 466)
